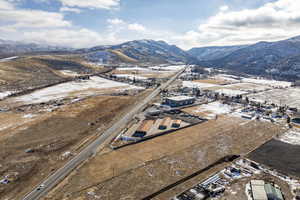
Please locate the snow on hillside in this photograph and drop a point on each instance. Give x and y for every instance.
(63, 90)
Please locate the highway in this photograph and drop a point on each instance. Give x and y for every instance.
(91, 149)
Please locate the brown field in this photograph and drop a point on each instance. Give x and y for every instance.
(144, 168)
(51, 134)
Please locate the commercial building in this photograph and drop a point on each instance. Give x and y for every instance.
(179, 101)
(258, 190)
(144, 128)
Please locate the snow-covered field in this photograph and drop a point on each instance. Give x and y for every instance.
(133, 69)
(291, 137)
(215, 108)
(230, 92)
(289, 96)
(191, 84)
(69, 73)
(65, 89)
(131, 77)
(226, 77)
(272, 83)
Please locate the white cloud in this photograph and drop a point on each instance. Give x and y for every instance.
(272, 21)
(224, 8)
(115, 21)
(136, 27)
(4, 5)
(92, 4)
(67, 9)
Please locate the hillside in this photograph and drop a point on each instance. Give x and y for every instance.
(31, 72)
(260, 57)
(213, 52)
(142, 51)
(9, 48)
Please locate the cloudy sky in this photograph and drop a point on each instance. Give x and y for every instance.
(186, 23)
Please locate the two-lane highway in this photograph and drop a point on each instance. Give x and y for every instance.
(92, 148)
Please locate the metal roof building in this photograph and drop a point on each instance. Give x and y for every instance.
(179, 101)
(273, 193)
(258, 190)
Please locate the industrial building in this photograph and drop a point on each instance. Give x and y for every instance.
(179, 101)
(273, 193)
(258, 190)
(144, 128)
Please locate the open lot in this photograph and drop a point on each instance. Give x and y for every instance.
(146, 167)
(43, 142)
(280, 154)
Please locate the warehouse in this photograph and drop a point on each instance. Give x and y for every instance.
(258, 190)
(273, 193)
(144, 128)
(179, 101)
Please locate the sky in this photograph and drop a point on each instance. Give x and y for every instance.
(185, 23)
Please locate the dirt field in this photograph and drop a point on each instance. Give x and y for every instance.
(52, 137)
(146, 167)
(271, 154)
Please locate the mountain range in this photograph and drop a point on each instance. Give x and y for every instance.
(281, 58)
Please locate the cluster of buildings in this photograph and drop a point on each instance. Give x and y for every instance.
(265, 191)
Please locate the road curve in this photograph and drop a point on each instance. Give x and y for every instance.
(91, 149)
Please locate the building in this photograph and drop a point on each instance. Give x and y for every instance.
(273, 193)
(144, 128)
(176, 123)
(296, 122)
(179, 101)
(258, 190)
(165, 123)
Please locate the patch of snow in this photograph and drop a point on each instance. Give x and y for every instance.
(191, 84)
(9, 58)
(5, 94)
(229, 92)
(132, 69)
(215, 108)
(28, 116)
(68, 73)
(291, 137)
(63, 90)
(130, 76)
